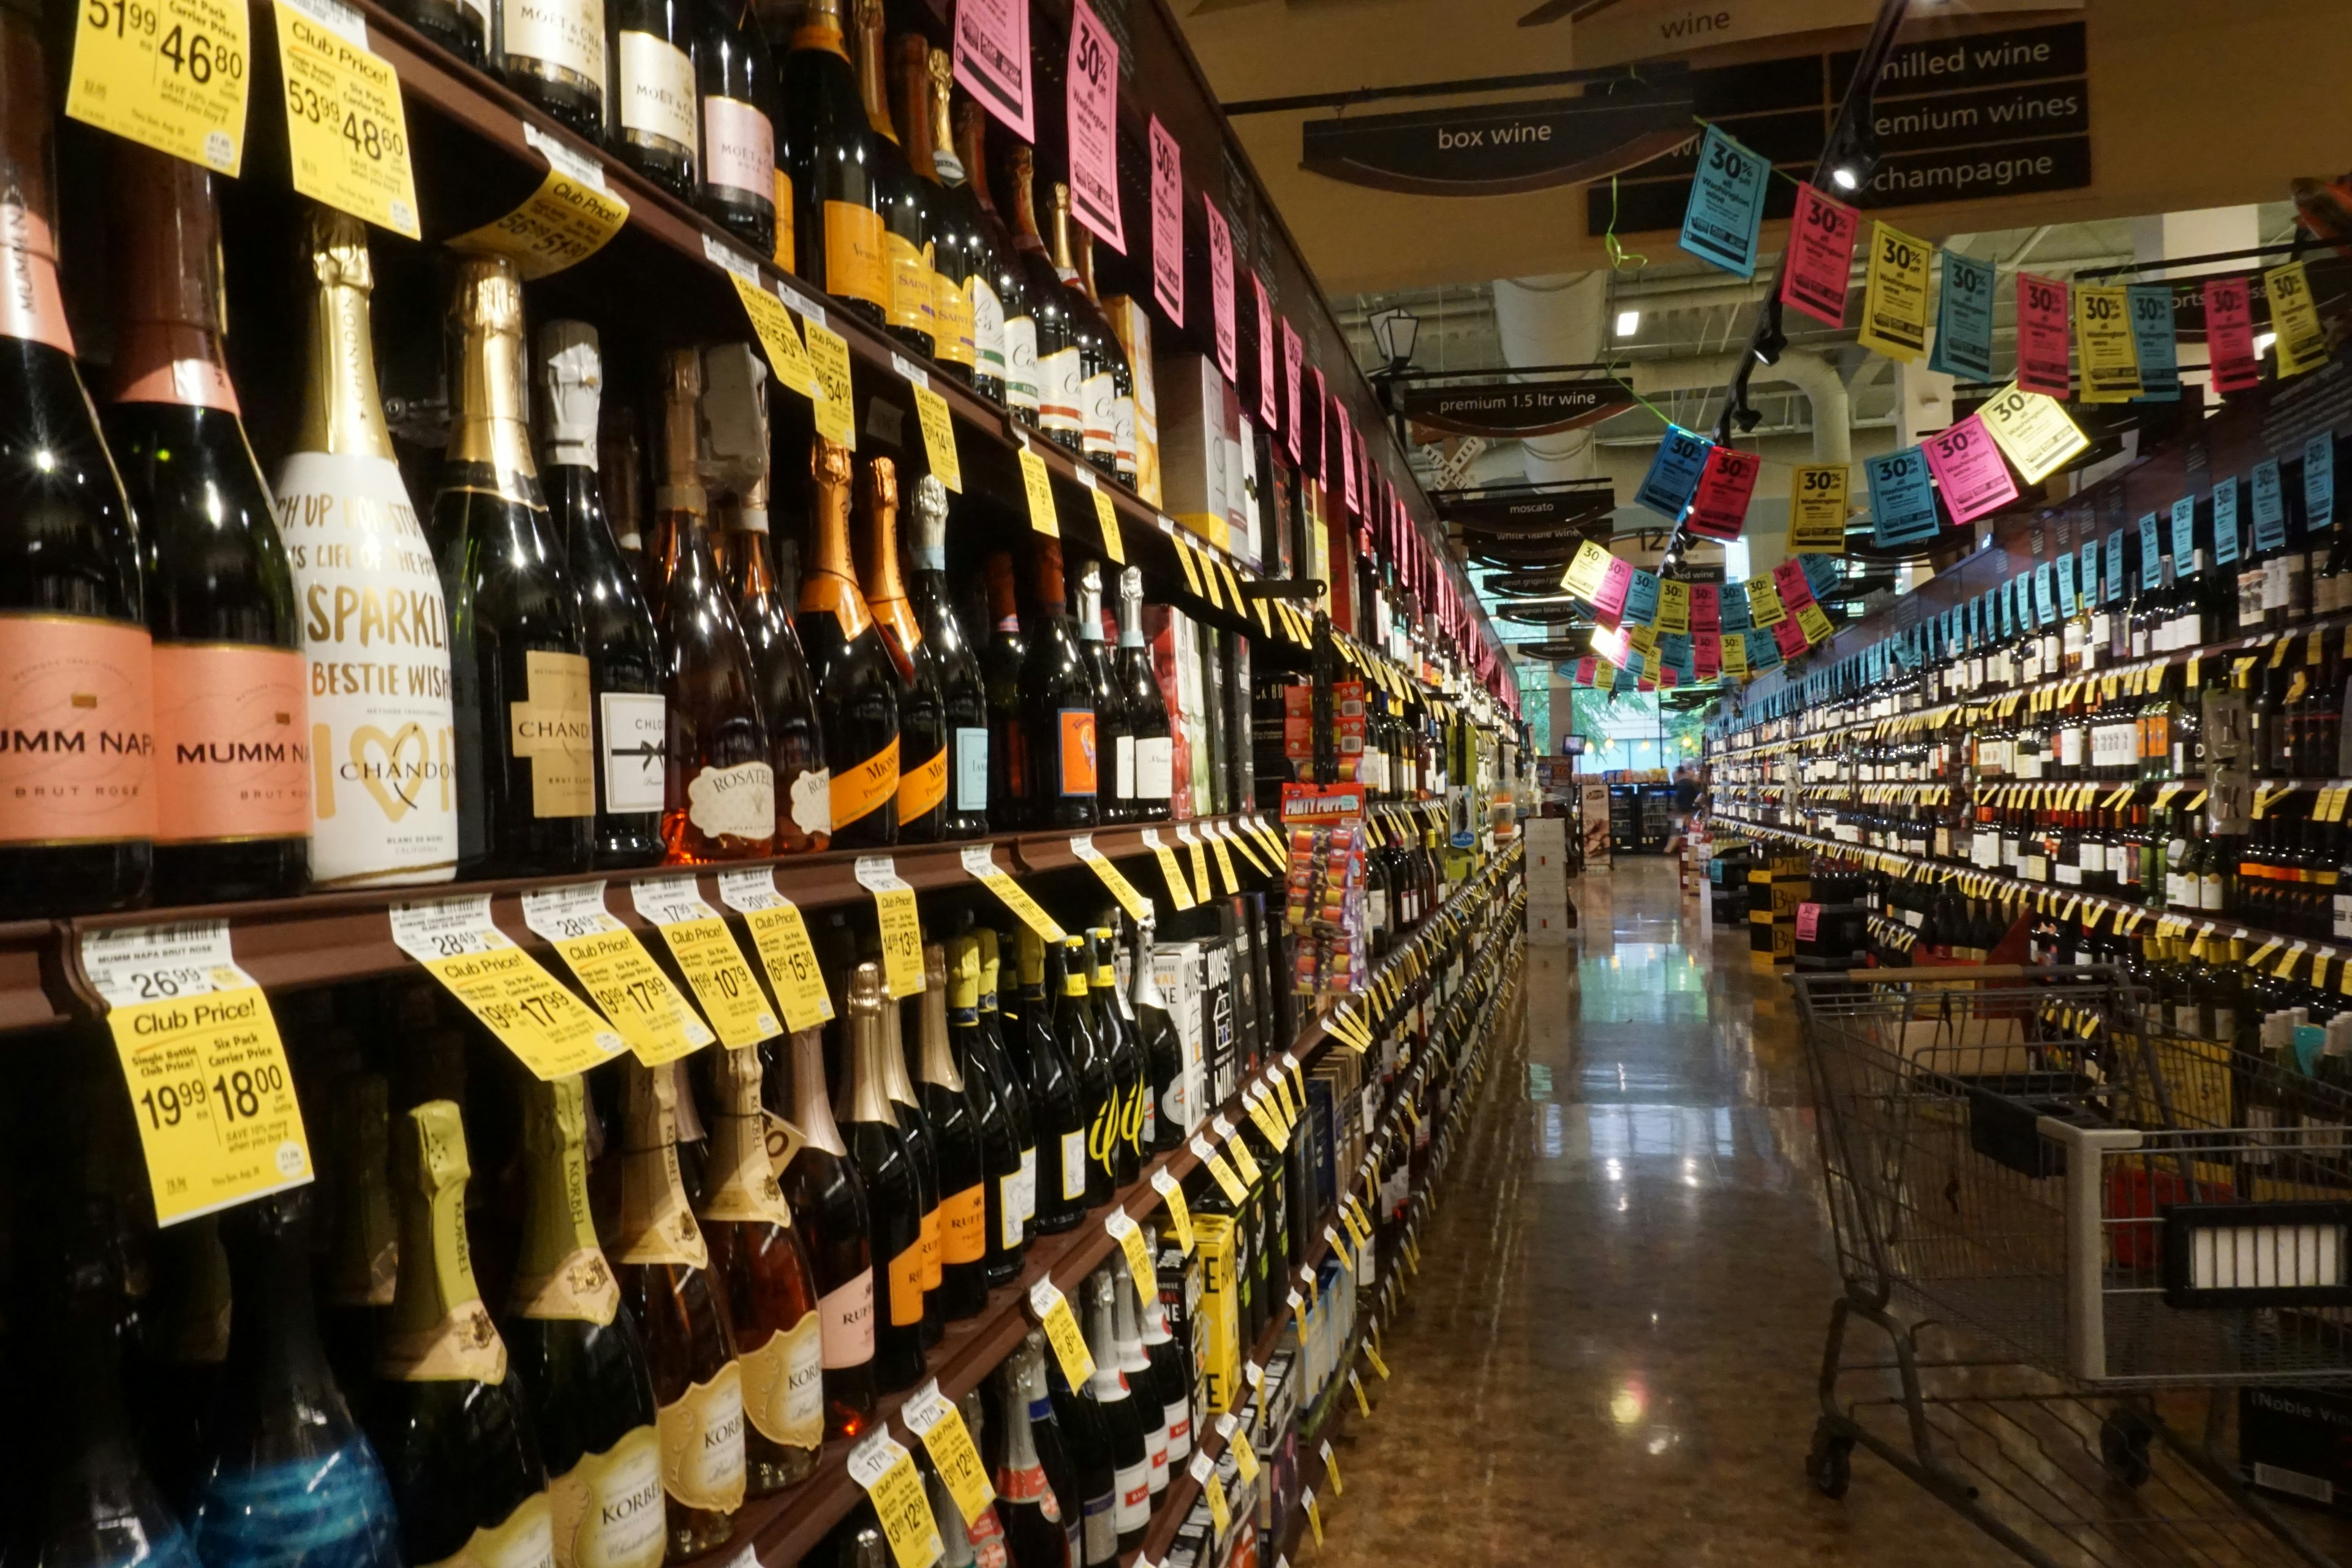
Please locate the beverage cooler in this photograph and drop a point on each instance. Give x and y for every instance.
(1640, 816)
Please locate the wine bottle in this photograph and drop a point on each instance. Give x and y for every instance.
(828, 1205)
(1122, 1422)
(526, 746)
(451, 1421)
(1142, 1388)
(1076, 1027)
(1126, 1053)
(666, 1282)
(945, 257)
(460, 27)
(985, 1533)
(1166, 1088)
(578, 1356)
(1021, 1203)
(1114, 735)
(624, 660)
(1147, 706)
(955, 1126)
(1057, 1097)
(1086, 1460)
(653, 126)
(374, 628)
(963, 699)
(856, 690)
(1121, 411)
(1171, 1377)
(1097, 385)
(183, 1324)
(962, 249)
(877, 1151)
(1058, 713)
(922, 716)
(1001, 666)
(363, 1256)
(772, 1295)
(1025, 1504)
(922, 1153)
(1001, 288)
(837, 211)
(1001, 1230)
(552, 52)
(77, 769)
(903, 200)
(1060, 361)
(719, 794)
(737, 188)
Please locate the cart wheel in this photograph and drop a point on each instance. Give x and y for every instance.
(2124, 1438)
(1829, 1465)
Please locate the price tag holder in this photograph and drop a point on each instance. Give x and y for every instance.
(1038, 484)
(714, 967)
(1130, 1236)
(1237, 1444)
(885, 1470)
(1192, 570)
(619, 975)
(981, 861)
(933, 1418)
(1219, 1171)
(833, 406)
(1137, 905)
(1179, 887)
(1061, 1326)
(772, 324)
(782, 939)
(1200, 861)
(549, 1029)
(939, 428)
(568, 219)
(346, 133)
(207, 1072)
(1204, 1470)
(1331, 1469)
(1180, 1214)
(1232, 832)
(902, 926)
(168, 74)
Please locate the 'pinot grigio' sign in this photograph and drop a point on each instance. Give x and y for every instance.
(1499, 149)
(1510, 408)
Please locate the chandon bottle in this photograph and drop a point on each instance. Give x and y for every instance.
(922, 717)
(856, 690)
(922, 1153)
(1001, 666)
(452, 1421)
(652, 127)
(1002, 288)
(962, 699)
(720, 796)
(624, 657)
(1020, 1200)
(1081, 1036)
(1165, 1091)
(1025, 1503)
(1126, 1052)
(552, 52)
(1057, 707)
(955, 1128)
(578, 1356)
(1099, 350)
(970, 315)
(1060, 365)
(903, 200)
(665, 1269)
(837, 212)
(737, 188)
(1122, 1422)
(1114, 739)
(78, 808)
(828, 1205)
(526, 746)
(232, 730)
(1057, 1097)
(878, 1152)
(1147, 706)
(1002, 1220)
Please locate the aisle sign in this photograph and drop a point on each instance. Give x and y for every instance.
(167, 74)
(1817, 507)
(2103, 329)
(533, 1014)
(1821, 256)
(2294, 317)
(1964, 318)
(1719, 506)
(568, 219)
(2032, 431)
(1726, 203)
(705, 949)
(1674, 473)
(619, 975)
(901, 926)
(205, 1070)
(2041, 335)
(1092, 117)
(2230, 335)
(1902, 503)
(2319, 482)
(829, 361)
(782, 939)
(1895, 296)
(1968, 469)
(347, 136)
(2154, 343)
(1167, 222)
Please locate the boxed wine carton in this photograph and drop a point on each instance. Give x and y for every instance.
(1217, 1331)
(1196, 415)
(1177, 968)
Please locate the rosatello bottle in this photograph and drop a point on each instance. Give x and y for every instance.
(625, 705)
(374, 628)
(518, 655)
(903, 200)
(1166, 1091)
(1114, 740)
(837, 213)
(452, 1421)
(965, 244)
(768, 1281)
(878, 1152)
(922, 717)
(719, 799)
(1082, 1036)
(1125, 1049)
(955, 1126)
(666, 1280)
(828, 1205)
(963, 697)
(1098, 350)
(1007, 277)
(922, 1153)
(578, 1353)
(738, 183)
(857, 688)
(1142, 1386)
(1003, 1220)
(1012, 1084)
(1058, 713)
(947, 255)
(232, 730)
(1057, 1101)
(1001, 665)
(1122, 1424)
(652, 126)
(1147, 706)
(552, 52)
(1060, 361)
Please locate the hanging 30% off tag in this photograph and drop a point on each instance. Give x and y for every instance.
(782, 939)
(902, 926)
(715, 968)
(619, 974)
(882, 1465)
(550, 1030)
(933, 1418)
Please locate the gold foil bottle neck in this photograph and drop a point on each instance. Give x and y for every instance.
(869, 1098)
(681, 486)
(945, 160)
(811, 1105)
(1062, 229)
(938, 1058)
(489, 424)
(338, 246)
(963, 972)
(735, 1076)
(342, 414)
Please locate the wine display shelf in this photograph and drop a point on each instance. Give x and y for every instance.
(2058, 794)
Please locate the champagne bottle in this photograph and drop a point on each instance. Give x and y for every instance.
(183, 1324)
(1166, 1088)
(624, 657)
(1135, 1371)
(78, 771)
(903, 200)
(452, 1421)
(1001, 666)
(552, 52)
(837, 218)
(1060, 360)
(858, 697)
(922, 1152)
(1098, 350)
(1122, 1422)
(526, 746)
(719, 795)
(1076, 1027)
(963, 697)
(922, 715)
(828, 1205)
(1025, 1506)
(971, 350)
(1126, 1052)
(1001, 288)
(945, 1097)
(382, 751)
(1058, 713)
(1114, 737)
(666, 1282)
(1001, 1221)
(771, 1295)
(1021, 1201)
(233, 781)
(653, 127)
(1090, 1466)
(1057, 1096)
(579, 1354)
(363, 1256)
(878, 1152)
(737, 188)
(460, 27)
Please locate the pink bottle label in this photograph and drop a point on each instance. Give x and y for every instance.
(232, 743)
(845, 1315)
(738, 147)
(76, 731)
(30, 306)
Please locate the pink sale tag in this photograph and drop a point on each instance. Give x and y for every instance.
(991, 59)
(2041, 335)
(1788, 580)
(1821, 256)
(2230, 335)
(1790, 637)
(1706, 608)
(1323, 432)
(1292, 353)
(1221, 289)
(1167, 222)
(1609, 602)
(1707, 654)
(1266, 410)
(1809, 921)
(1968, 469)
(1093, 107)
(1719, 507)
(1347, 458)
(1584, 669)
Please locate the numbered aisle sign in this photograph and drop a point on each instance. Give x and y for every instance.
(782, 939)
(206, 1073)
(1894, 295)
(714, 968)
(168, 74)
(346, 132)
(619, 975)
(549, 1029)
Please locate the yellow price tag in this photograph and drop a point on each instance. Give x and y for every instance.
(1281, 1091)
(1105, 516)
(1232, 832)
(549, 1029)
(1261, 1112)
(1221, 1517)
(939, 428)
(568, 219)
(2103, 335)
(619, 975)
(714, 968)
(886, 1470)
(782, 939)
(1372, 1354)
(1894, 295)
(1137, 905)
(981, 861)
(346, 133)
(1331, 1470)
(2301, 341)
(1039, 485)
(1237, 1444)
(779, 338)
(933, 1418)
(168, 74)
(1061, 1326)
(1179, 1214)
(1192, 571)
(1224, 863)
(1232, 586)
(1200, 861)
(1139, 1267)
(1236, 1149)
(1179, 887)
(1220, 1172)
(835, 412)
(1814, 625)
(1314, 1514)
(902, 926)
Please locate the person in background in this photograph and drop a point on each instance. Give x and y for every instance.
(1686, 792)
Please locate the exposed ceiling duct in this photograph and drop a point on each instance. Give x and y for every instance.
(1813, 375)
(1546, 321)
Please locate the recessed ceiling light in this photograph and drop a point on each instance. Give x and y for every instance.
(1628, 322)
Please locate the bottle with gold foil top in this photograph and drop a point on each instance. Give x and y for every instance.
(903, 199)
(720, 798)
(947, 257)
(384, 777)
(998, 285)
(577, 1350)
(963, 696)
(666, 1280)
(232, 723)
(1060, 361)
(922, 714)
(922, 1153)
(518, 655)
(828, 1205)
(955, 1129)
(451, 1421)
(772, 1300)
(1097, 349)
(856, 687)
(1121, 409)
(877, 1152)
(837, 212)
(1015, 1202)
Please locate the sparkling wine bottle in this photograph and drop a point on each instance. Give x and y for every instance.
(1147, 707)
(828, 1204)
(1090, 1058)
(922, 1152)
(653, 126)
(738, 183)
(552, 52)
(878, 1152)
(1002, 1220)
(1001, 665)
(1021, 1201)
(837, 208)
(970, 348)
(363, 1256)
(963, 697)
(1143, 1389)
(1118, 1028)
(1031, 1514)
(923, 739)
(1000, 286)
(1166, 1088)
(1114, 735)
(1122, 1422)
(945, 1097)
(903, 199)
(1057, 1096)
(857, 689)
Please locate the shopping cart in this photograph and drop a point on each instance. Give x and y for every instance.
(2071, 1221)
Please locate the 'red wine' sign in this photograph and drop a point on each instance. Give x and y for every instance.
(1093, 102)
(1167, 222)
(1718, 507)
(1821, 256)
(2041, 335)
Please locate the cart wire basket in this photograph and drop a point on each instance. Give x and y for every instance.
(2080, 1226)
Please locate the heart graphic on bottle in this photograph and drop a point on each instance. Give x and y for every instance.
(383, 779)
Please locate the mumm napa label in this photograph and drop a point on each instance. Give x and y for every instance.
(76, 731)
(382, 742)
(233, 743)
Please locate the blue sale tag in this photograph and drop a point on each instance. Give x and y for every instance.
(1763, 651)
(1733, 602)
(2152, 338)
(2066, 587)
(1641, 600)
(2151, 555)
(1674, 473)
(2319, 482)
(1625, 680)
(2112, 588)
(1964, 318)
(2186, 562)
(2004, 604)
(1674, 653)
(2270, 508)
(2090, 571)
(2045, 594)
(1902, 501)
(1822, 573)
(1726, 203)
(2225, 522)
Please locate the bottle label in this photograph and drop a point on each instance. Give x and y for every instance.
(1078, 770)
(1097, 394)
(193, 379)
(786, 257)
(581, 1287)
(923, 787)
(374, 630)
(569, 34)
(607, 1508)
(1179, 1431)
(702, 1443)
(856, 266)
(951, 323)
(987, 326)
(232, 743)
(76, 731)
(1029, 1183)
(812, 801)
(1155, 767)
(738, 148)
(972, 769)
(464, 1346)
(907, 1271)
(1122, 431)
(1074, 1165)
(525, 1539)
(1099, 1529)
(636, 731)
(783, 1385)
(656, 91)
(549, 729)
(858, 792)
(1059, 408)
(30, 306)
(846, 1313)
(1008, 1192)
(1131, 1497)
(733, 803)
(1020, 380)
(964, 1226)
(910, 304)
(1123, 766)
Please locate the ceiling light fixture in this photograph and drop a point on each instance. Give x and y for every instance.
(1628, 322)
(1396, 330)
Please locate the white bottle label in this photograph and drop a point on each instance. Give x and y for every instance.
(972, 769)
(1123, 766)
(634, 726)
(987, 325)
(1074, 1165)
(565, 33)
(812, 802)
(1060, 398)
(737, 802)
(1021, 384)
(657, 89)
(1029, 1183)
(1155, 768)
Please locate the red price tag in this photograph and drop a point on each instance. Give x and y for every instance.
(1719, 506)
(1789, 636)
(1707, 654)
(1821, 256)
(2230, 335)
(1968, 469)
(1221, 289)
(1167, 222)
(2042, 311)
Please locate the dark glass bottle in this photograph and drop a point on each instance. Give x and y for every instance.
(653, 127)
(1005, 278)
(963, 239)
(1082, 1036)
(945, 1097)
(1113, 736)
(732, 68)
(946, 256)
(922, 1154)
(964, 698)
(1057, 1103)
(922, 715)
(1060, 358)
(1001, 665)
(1012, 1087)
(857, 688)
(1121, 1420)
(552, 52)
(1120, 412)
(878, 1149)
(1135, 1372)
(1126, 1052)
(1053, 1454)
(903, 199)
(1147, 707)
(1057, 712)
(837, 211)
(1098, 350)
(1002, 1219)
(828, 1204)
(1025, 1503)
(1165, 1087)
(460, 27)
(1087, 1459)
(1172, 1374)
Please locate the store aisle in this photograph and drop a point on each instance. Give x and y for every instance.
(1610, 1355)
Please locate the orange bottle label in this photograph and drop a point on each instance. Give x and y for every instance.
(785, 256)
(76, 731)
(922, 787)
(907, 1287)
(910, 284)
(931, 1249)
(855, 264)
(860, 790)
(963, 1221)
(232, 742)
(1078, 751)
